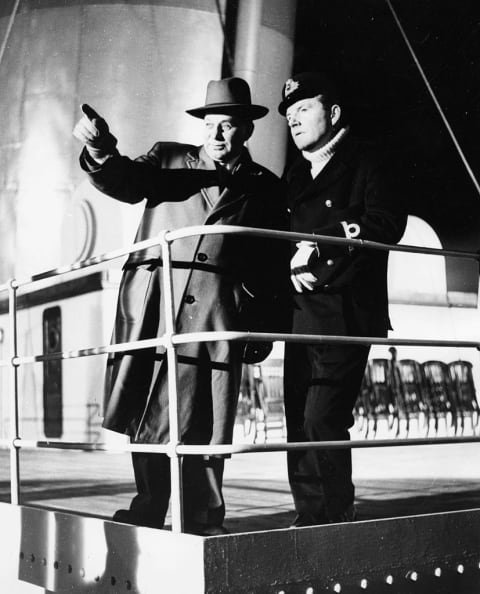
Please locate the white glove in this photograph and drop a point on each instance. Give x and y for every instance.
(301, 276)
(93, 131)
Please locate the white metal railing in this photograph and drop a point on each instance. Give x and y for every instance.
(175, 449)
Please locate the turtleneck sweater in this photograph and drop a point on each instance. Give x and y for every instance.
(319, 158)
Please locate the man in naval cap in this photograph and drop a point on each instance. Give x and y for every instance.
(338, 187)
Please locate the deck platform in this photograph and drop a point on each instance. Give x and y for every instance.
(418, 529)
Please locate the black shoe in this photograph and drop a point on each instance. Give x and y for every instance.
(127, 516)
(305, 519)
(206, 530)
(123, 516)
(349, 514)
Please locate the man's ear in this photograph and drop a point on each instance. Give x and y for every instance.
(335, 113)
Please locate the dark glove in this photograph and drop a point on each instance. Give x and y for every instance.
(255, 352)
(93, 131)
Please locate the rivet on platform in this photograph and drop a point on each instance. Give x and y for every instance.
(412, 576)
(364, 584)
(438, 572)
(337, 588)
(32, 558)
(82, 572)
(69, 568)
(55, 565)
(460, 568)
(22, 554)
(43, 561)
(128, 584)
(389, 579)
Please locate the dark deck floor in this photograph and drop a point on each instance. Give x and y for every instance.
(390, 482)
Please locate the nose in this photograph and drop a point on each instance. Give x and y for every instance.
(292, 121)
(217, 133)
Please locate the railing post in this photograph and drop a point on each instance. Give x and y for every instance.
(14, 422)
(176, 499)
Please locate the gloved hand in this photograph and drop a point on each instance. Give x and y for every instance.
(255, 352)
(300, 274)
(93, 131)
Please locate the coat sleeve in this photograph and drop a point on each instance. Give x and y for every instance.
(161, 175)
(267, 281)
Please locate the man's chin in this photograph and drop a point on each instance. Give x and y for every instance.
(217, 155)
(301, 146)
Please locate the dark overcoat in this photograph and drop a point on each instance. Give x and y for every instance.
(357, 193)
(214, 278)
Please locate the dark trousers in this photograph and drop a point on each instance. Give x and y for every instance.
(202, 477)
(322, 383)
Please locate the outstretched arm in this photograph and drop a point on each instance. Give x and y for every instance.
(158, 176)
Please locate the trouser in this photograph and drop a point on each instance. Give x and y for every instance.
(202, 476)
(322, 383)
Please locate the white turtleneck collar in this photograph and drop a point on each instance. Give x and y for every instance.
(321, 156)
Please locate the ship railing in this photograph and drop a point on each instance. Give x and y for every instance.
(170, 341)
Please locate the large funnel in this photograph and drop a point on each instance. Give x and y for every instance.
(139, 63)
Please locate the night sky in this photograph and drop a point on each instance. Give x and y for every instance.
(360, 43)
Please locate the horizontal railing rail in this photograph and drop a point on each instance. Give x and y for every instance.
(191, 231)
(241, 448)
(233, 335)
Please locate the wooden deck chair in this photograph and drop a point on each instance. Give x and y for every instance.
(440, 393)
(462, 380)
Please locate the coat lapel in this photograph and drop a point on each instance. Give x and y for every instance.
(203, 161)
(230, 198)
(305, 187)
(219, 203)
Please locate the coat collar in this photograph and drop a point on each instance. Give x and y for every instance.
(219, 202)
(303, 186)
(199, 159)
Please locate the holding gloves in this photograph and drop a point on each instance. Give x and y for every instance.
(300, 265)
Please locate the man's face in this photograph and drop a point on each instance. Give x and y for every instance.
(311, 125)
(225, 136)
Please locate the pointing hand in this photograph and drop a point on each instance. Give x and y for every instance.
(94, 132)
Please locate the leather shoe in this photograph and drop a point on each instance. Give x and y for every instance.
(349, 514)
(206, 530)
(304, 519)
(127, 516)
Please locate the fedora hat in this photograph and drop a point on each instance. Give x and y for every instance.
(229, 96)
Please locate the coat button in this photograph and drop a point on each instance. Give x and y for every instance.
(202, 257)
(328, 203)
(329, 262)
(189, 299)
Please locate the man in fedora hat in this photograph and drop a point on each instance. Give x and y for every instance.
(338, 186)
(220, 282)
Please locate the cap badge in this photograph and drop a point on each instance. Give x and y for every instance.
(290, 86)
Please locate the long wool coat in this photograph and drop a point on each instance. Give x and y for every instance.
(357, 192)
(210, 275)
